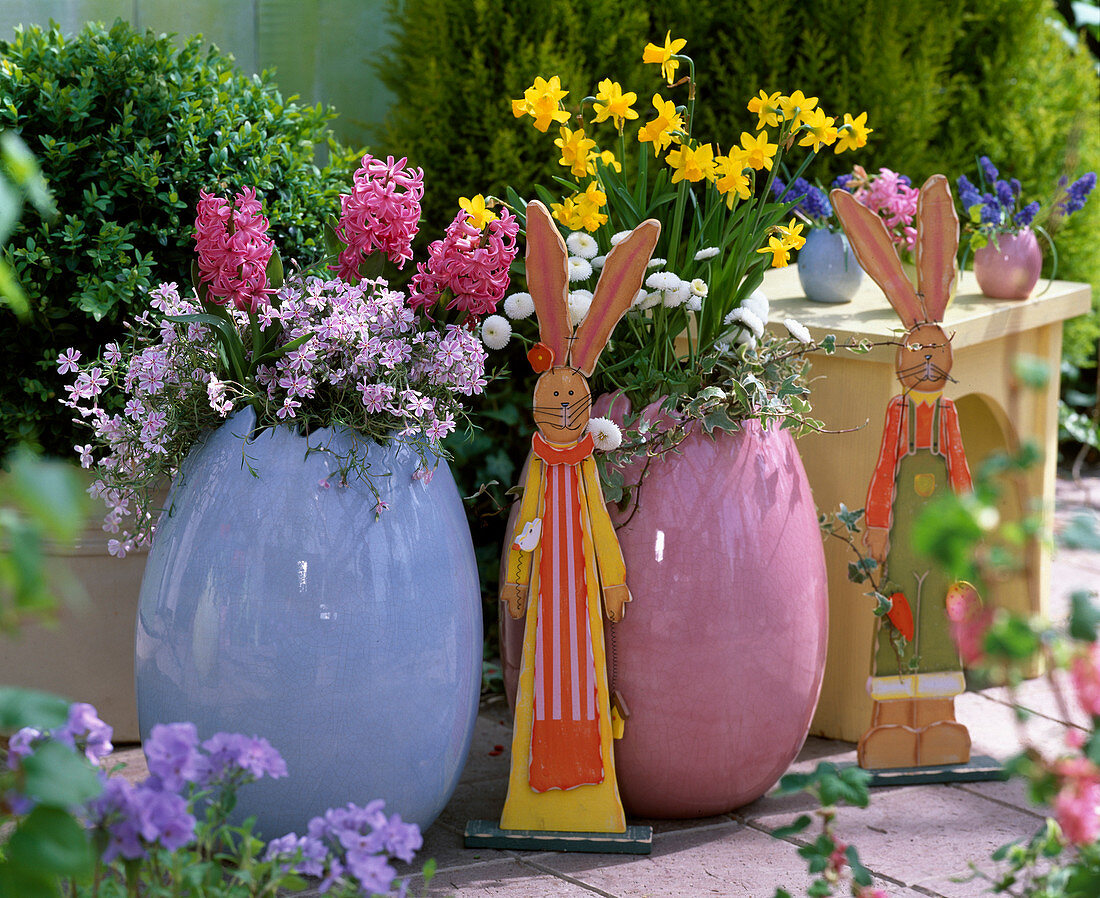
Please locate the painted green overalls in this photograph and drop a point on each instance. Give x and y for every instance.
(921, 477)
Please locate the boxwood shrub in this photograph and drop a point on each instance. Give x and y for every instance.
(129, 127)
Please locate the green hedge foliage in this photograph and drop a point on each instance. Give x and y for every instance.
(943, 82)
(128, 128)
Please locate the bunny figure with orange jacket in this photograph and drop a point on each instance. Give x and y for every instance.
(915, 671)
(564, 564)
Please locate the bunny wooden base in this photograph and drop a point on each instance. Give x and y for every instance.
(913, 733)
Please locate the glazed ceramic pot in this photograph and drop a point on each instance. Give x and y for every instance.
(827, 268)
(280, 605)
(721, 654)
(1009, 268)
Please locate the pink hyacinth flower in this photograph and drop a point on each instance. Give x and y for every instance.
(469, 263)
(233, 250)
(381, 212)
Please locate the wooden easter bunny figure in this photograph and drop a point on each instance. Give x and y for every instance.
(915, 671)
(565, 562)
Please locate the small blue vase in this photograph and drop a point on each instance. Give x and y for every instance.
(278, 604)
(827, 268)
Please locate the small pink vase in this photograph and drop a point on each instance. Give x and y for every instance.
(720, 655)
(1009, 268)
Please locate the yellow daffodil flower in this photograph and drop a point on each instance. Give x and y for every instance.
(795, 107)
(692, 165)
(607, 158)
(589, 204)
(542, 101)
(853, 133)
(791, 234)
(476, 213)
(819, 130)
(612, 103)
(574, 150)
(766, 108)
(567, 213)
(662, 56)
(731, 180)
(660, 131)
(781, 255)
(758, 152)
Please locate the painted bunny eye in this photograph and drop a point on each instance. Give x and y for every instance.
(570, 392)
(556, 393)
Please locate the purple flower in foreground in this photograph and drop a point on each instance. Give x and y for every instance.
(233, 754)
(172, 754)
(86, 731)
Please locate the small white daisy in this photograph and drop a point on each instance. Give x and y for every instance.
(677, 297)
(699, 287)
(496, 331)
(746, 318)
(638, 298)
(757, 303)
(657, 263)
(519, 305)
(651, 300)
(579, 303)
(579, 269)
(707, 252)
(618, 238)
(598, 261)
(694, 303)
(605, 434)
(583, 244)
(663, 280)
(797, 330)
(746, 338)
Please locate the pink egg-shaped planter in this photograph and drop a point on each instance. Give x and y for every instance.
(1009, 268)
(720, 655)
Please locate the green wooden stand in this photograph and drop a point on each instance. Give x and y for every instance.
(980, 768)
(486, 834)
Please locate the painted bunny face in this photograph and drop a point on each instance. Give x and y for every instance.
(562, 405)
(923, 361)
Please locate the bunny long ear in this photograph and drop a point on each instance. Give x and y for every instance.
(619, 283)
(548, 280)
(877, 256)
(937, 245)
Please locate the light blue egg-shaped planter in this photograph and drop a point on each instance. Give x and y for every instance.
(275, 606)
(827, 267)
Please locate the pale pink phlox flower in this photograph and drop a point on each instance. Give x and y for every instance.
(1077, 805)
(1085, 673)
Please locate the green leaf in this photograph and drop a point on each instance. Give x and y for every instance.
(1084, 617)
(860, 874)
(56, 776)
(29, 708)
(50, 840)
(1081, 532)
(51, 492)
(791, 829)
(1031, 371)
(429, 871)
(17, 882)
(274, 270)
